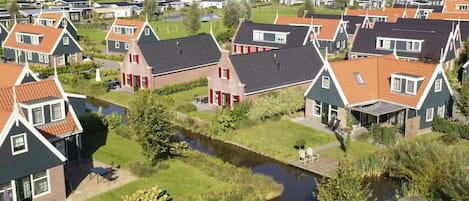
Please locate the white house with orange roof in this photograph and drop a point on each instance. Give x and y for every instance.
(456, 6)
(42, 45)
(123, 31)
(57, 20)
(380, 90)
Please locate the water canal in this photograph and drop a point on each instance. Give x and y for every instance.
(298, 185)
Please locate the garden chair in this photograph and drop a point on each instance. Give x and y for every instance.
(310, 155)
(302, 155)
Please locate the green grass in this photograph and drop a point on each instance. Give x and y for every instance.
(191, 174)
(175, 29)
(277, 138)
(202, 115)
(266, 14)
(96, 35)
(187, 96)
(358, 150)
(119, 98)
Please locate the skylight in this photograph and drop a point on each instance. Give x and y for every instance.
(358, 78)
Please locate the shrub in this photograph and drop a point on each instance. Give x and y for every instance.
(223, 122)
(91, 88)
(276, 104)
(448, 126)
(124, 131)
(92, 122)
(187, 107)
(153, 194)
(141, 169)
(113, 57)
(226, 36)
(450, 138)
(171, 89)
(73, 68)
(384, 135)
(363, 137)
(113, 120)
(300, 143)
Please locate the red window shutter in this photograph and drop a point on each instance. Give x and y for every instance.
(211, 96)
(138, 81)
(234, 48)
(146, 82)
(219, 71)
(264, 49)
(227, 74)
(242, 49)
(257, 49)
(249, 49)
(131, 80)
(219, 97)
(237, 99)
(228, 99)
(130, 58)
(136, 58)
(123, 79)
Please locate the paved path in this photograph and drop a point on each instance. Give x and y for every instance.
(107, 64)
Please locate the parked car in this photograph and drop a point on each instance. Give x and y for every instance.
(113, 84)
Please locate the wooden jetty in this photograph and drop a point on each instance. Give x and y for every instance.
(323, 166)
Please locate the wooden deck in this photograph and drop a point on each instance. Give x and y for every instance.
(323, 166)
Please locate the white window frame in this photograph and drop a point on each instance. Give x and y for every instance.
(147, 31)
(317, 106)
(127, 79)
(25, 139)
(325, 82)
(386, 43)
(32, 117)
(64, 22)
(40, 57)
(62, 111)
(73, 57)
(428, 118)
(34, 40)
(215, 97)
(8, 189)
(117, 44)
(438, 85)
(134, 58)
(30, 55)
(19, 38)
(46, 58)
(143, 83)
(33, 186)
(224, 73)
(66, 40)
(126, 46)
(393, 82)
(414, 87)
(441, 111)
(61, 60)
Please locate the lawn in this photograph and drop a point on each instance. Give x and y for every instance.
(266, 14)
(192, 174)
(175, 29)
(359, 150)
(96, 35)
(277, 138)
(119, 98)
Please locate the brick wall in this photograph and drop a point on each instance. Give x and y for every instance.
(57, 185)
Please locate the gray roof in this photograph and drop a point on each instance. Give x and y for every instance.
(378, 108)
(352, 20)
(180, 53)
(434, 38)
(437, 9)
(296, 37)
(259, 71)
(446, 24)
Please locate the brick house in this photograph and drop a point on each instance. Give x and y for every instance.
(381, 90)
(246, 76)
(166, 62)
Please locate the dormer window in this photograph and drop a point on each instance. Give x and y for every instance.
(413, 46)
(19, 144)
(37, 115)
(19, 38)
(396, 84)
(270, 36)
(56, 112)
(411, 83)
(43, 111)
(411, 87)
(316, 29)
(383, 43)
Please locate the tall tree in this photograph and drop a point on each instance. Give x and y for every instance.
(307, 7)
(13, 8)
(192, 19)
(149, 7)
(346, 185)
(232, 13)
(151, 121)
(247, 10)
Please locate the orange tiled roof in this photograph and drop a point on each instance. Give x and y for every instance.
(391, 13)
(36, 91)
(51, 35)
(54, 16)
(4, 116)
(9, 74)
(123, 22)
(376, 73)
(449, 16)
(328, 26)
(450, 6)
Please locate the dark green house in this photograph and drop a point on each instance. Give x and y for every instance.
(123, 31)
(57, 20)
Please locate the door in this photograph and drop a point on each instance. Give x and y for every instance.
(325, 113)
(23, 189)
(135, 82)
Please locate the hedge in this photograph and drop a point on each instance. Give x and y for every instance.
(449, 126)
(175, 88)
(72, 68)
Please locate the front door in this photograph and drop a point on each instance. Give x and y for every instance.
(135, 82)
(325, 113)
(23, 189)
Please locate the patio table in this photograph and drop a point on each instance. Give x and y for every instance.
(100, 173)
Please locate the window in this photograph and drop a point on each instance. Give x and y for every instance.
(224, 73)
(257, 36)
(46, 58)
(441, 111)
(385, 44)
(34, 40)
(358, 78)
(396, 84)
(144, 82)
(117, 44)
(334, 112)
(61, 60)
(19, 38)
(41, 57)
(438, 85)
(234, 99)
(64, 23)
(317, 108)
(56, 110)
(127, 79)
(462, 6)
(19, 144)
(129, 31)
(117, 30)
(412, 46)
(73, 57)
(147, 31)
(49, 23)
(66, 41)
(8, 191)
(281, 38)
(410, 87)
(325, 82)
(126, 46)
(30, 55)
(273, 37)
(337, 44)
(429, 115)
(215, 97)
(40, 183)
(38, 115)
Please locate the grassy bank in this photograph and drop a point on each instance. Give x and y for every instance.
(186, 177)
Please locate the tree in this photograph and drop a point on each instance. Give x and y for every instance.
(192, 19)
(150, 119)
(232, 13)
(149, 7)
(247, 9)
(152, 194)
(463, 101)
(13, 8)
(348, 129)
(346, 185)
(308, 6)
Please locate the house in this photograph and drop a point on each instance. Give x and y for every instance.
(384, 15)
(422, 10)
(109, 10)
(166, 62)
(42, 45)
(3, 33)
(40, 125)
(352, 23)
(424, 42)
(212, 3)
(77, 9)
(291, 2)
(331, 34)
(72, 3)
(57, 20)
(122, 31)
(380, 90)
(255, 37)
(449, 16)
(246, 76)
(456, 6)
